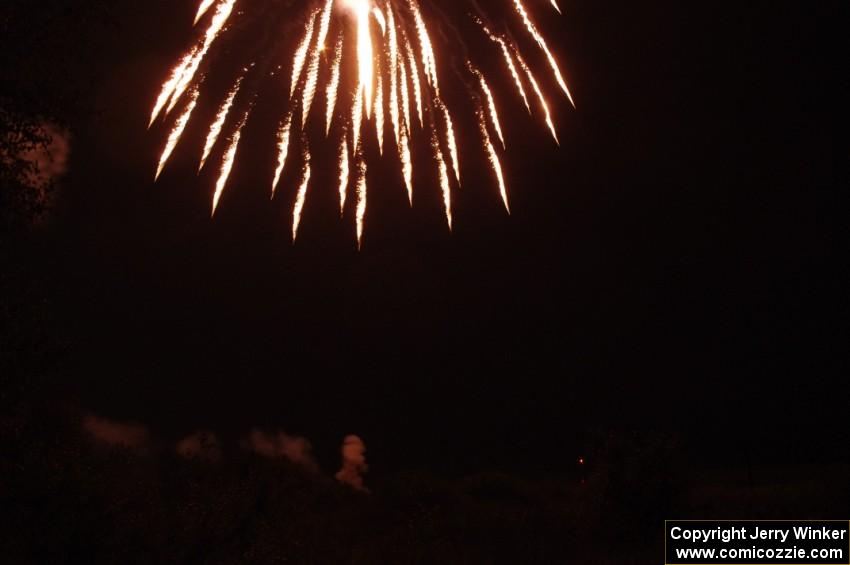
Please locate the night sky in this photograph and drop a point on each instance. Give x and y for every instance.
(678, 263)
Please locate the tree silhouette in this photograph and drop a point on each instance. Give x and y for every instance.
(46, 53)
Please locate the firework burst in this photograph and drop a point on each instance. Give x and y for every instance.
(376, 65)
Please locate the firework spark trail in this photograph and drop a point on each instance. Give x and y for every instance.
(227, 164)
(169, 86)
(392, 48)
(301, 54)
(343, 173)
(443, 173)
(176, 133)
(379, 17)
(406, 162)
(310, 87)
(185, 80)
(356, 119)
(532, 29)
(282, 150)
(540, 96)
(361, 201)
(313, 69)
(393, 55)
(218, 124)
(417, 87)
(222, 14)
(429, 62)
(509, 61)
(491, 104)
(494, 159)
(450, 139)
(324, 25)
(405, 94)
(301, 197)
(379, 113)
(202, 9)
(333, 85)
(365, 56)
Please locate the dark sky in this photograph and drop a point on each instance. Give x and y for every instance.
(679, 262)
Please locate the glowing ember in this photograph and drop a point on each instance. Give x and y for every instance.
(382, 70)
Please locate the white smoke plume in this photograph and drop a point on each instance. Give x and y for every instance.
(281, 446)
(200, 446)
(353, 462)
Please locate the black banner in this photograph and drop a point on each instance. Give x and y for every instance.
(743, 542)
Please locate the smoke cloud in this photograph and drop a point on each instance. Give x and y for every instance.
(200, 446)
(353, 462)
(116, 434)
(282, 446)
(205, 446)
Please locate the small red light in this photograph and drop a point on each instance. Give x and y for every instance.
(581, 460)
